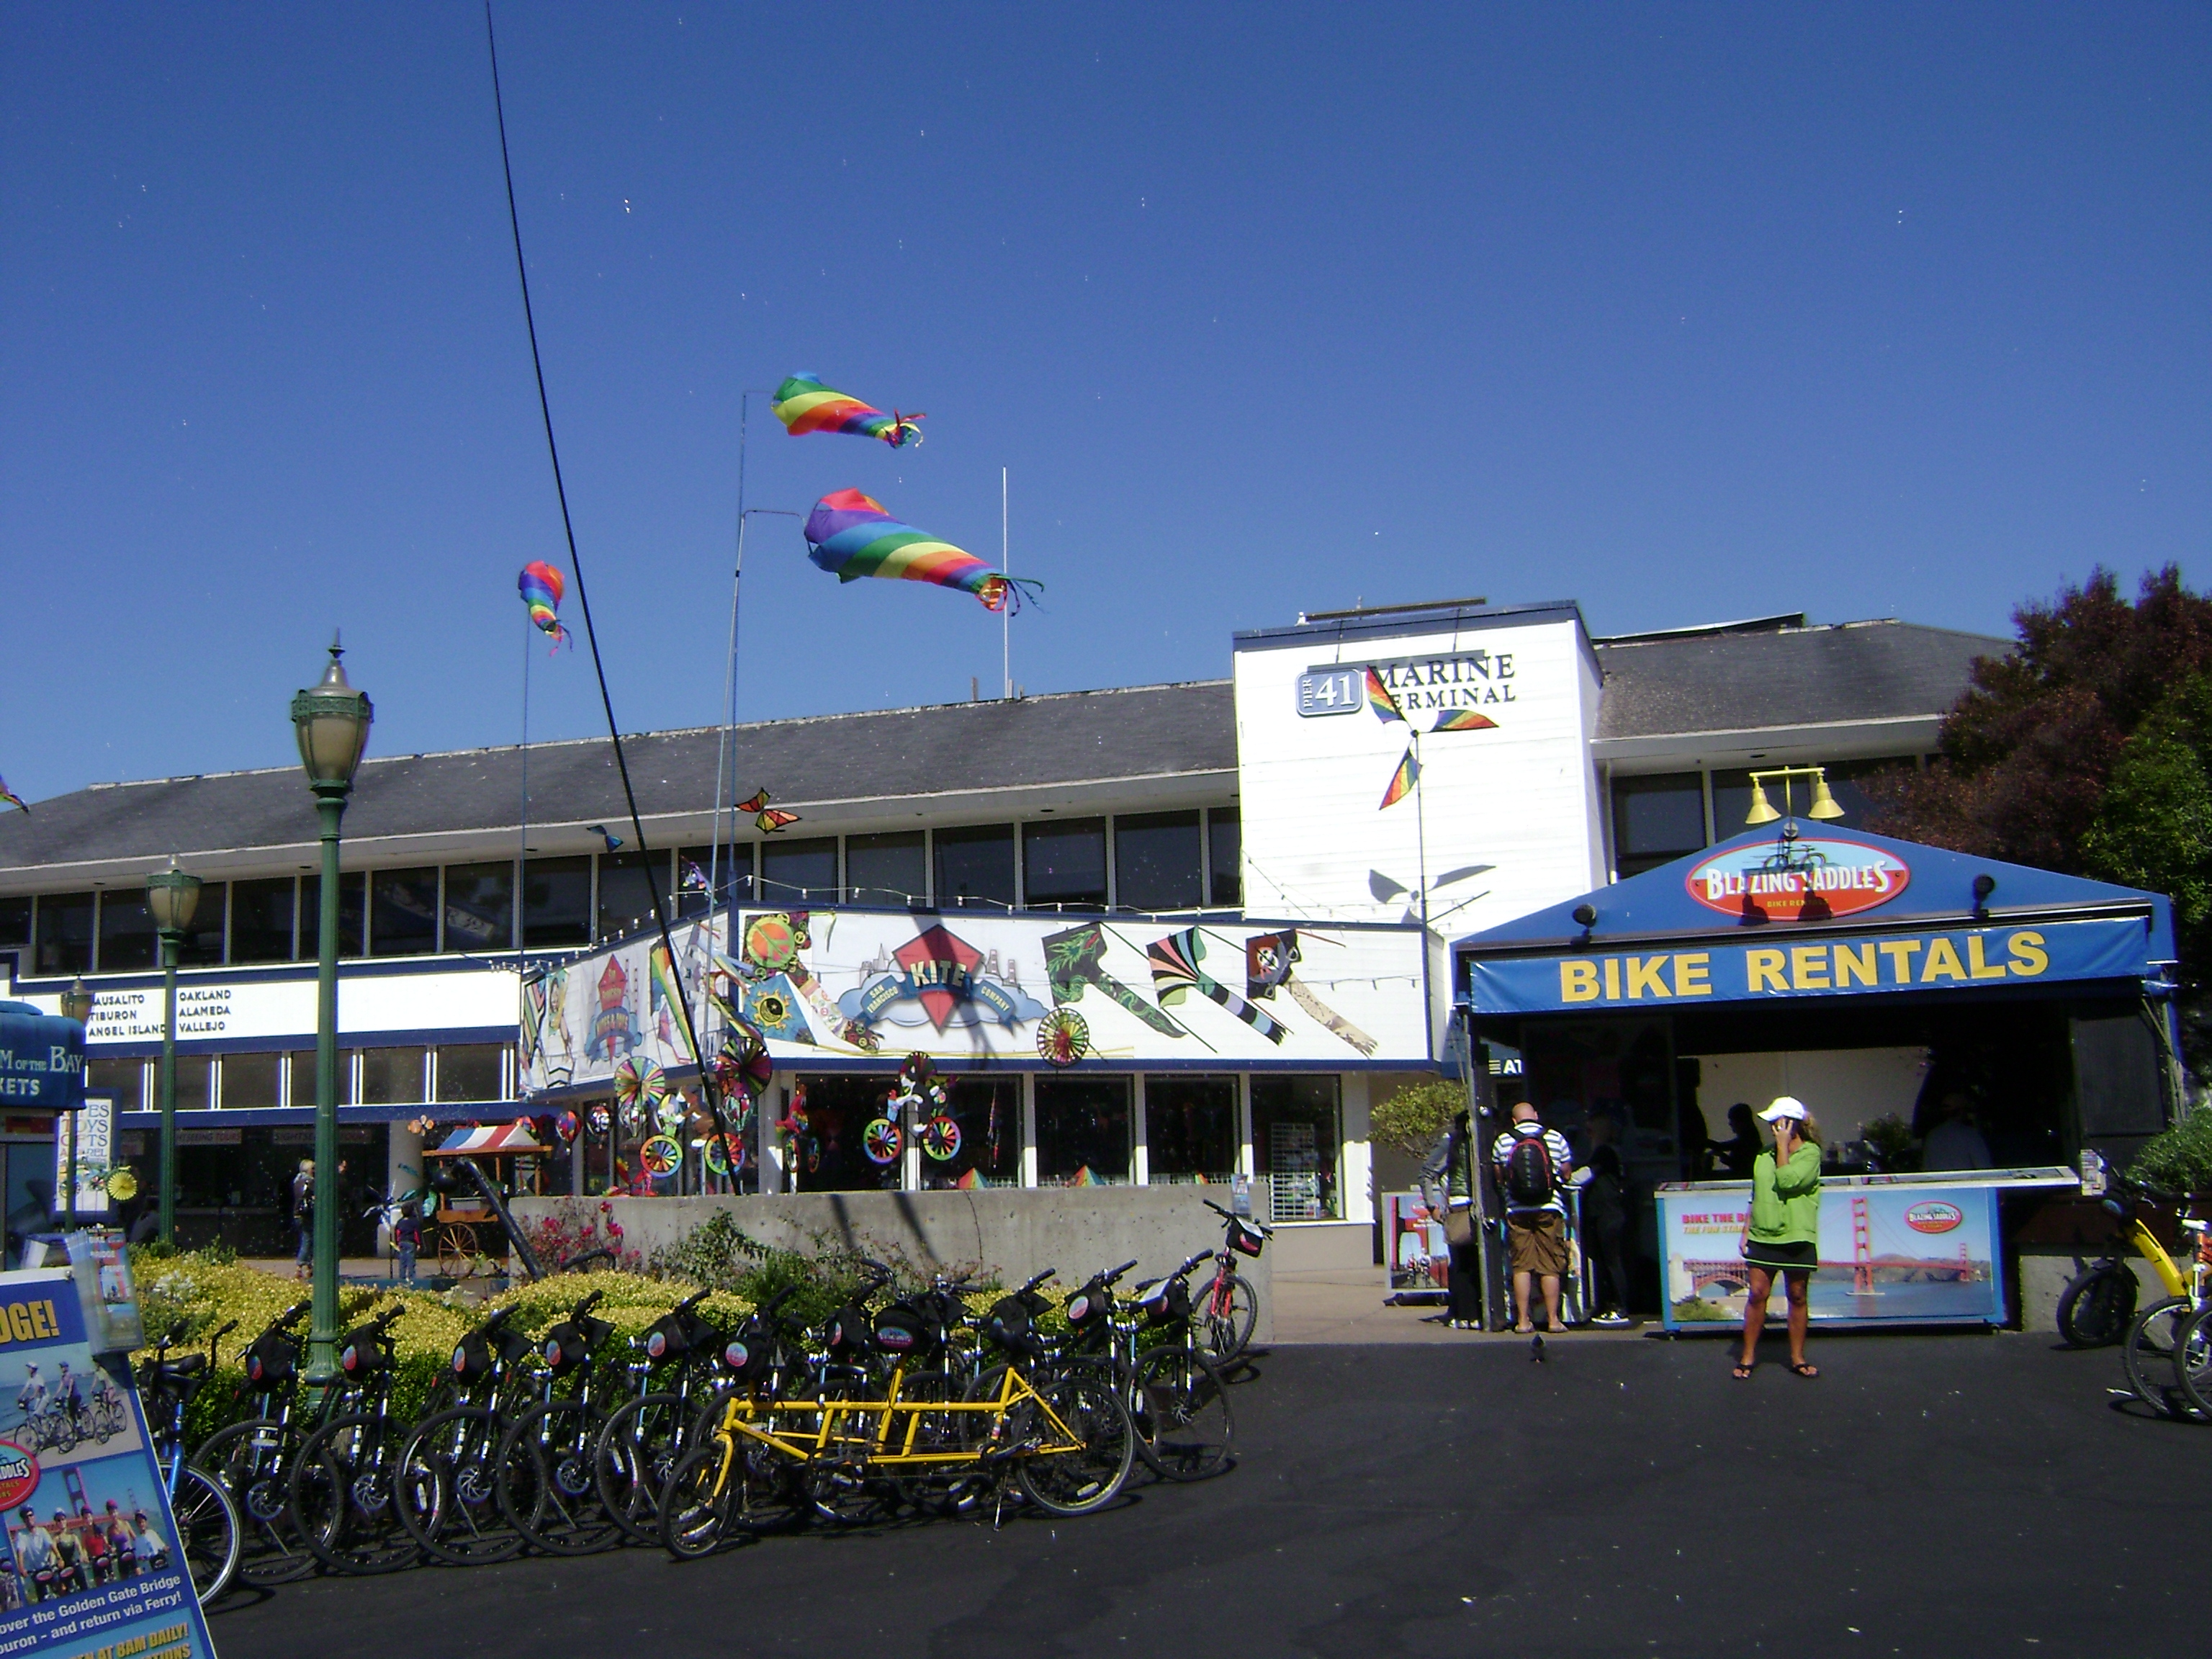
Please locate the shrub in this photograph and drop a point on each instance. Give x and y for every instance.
(2180, 1160)
(1411, 1120)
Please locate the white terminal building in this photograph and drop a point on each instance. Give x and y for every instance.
(1155, 934)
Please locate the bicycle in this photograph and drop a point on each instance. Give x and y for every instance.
(1177, 1403)
(645, 1435)
(2157, 1351)
(254, 1459)
(1230, 1306)
(344, 1490)
(447, 1495)
(2098, 1303)
(547, 1487)
(205, 1520)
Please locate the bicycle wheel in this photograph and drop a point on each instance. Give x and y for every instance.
(254, 1460)
(207, 1531)
(635, 1454)
(1091, 1475)
(344, 1496)
(2192, 1359)
(696, 1502)
(546, 1489)
(1179, 1407)
(1224, 1318)
(951, 1489)
(447, 1500)
(2096, 1309)
(2147, 1357)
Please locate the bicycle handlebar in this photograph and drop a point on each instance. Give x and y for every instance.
(590, 1300)
(1114, 1277)
(1040, 1279)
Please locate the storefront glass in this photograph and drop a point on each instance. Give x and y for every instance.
(1082, 1130)
(126, 932)
(800, 872)
(251, 1080)
(1157, 862)
(1296, 1131)
(1064, 865)
(261, 919)
(886, 870)
(403, 914)
(202, 945)
(976, 865)
(15, 922)
(989, 1114)
(391, 1076)
(469, 1071)
(556, 902)
(125, 1079)
(195, 1082)
(1224, 856)
(480, 906)
(701, 869)
(1658, 818)
(1190, 1129)
(64, 941)
(831, 1155)
(626, 891)
(303, 1076)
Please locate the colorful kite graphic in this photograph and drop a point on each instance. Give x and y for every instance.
(541, 587)
(12, 798)
(804, 404)
(1269, 960)
(667, 996)
(849, 535)
(1074, 961)
(1403, 780)
(1463, 719)
(1175, 971)
(1380, 700)
(766, 819)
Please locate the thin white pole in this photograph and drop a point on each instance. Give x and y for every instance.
(1007, 616)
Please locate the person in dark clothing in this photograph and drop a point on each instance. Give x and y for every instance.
(1447, 1188)
(1733, 1157)
(1605, 1222)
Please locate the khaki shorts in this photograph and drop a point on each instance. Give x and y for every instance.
(1538, 1243)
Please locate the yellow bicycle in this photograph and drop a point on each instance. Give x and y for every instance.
(2098, 1304)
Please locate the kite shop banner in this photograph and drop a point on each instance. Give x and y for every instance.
(849, 990)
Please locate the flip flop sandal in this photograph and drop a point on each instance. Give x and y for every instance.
(1799, 1368)
(1742, 1373)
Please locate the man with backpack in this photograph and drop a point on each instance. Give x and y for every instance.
(1533, 1163)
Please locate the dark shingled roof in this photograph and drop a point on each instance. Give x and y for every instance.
(1061, 740)
(1761, 678)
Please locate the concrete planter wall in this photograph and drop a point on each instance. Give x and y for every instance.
(1008, 1233)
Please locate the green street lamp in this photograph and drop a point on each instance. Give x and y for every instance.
(331, 721)
(172, 896)
(76, 1005)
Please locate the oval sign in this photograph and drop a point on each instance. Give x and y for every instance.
(1816, 878)
(1933, 1215)
(19, 1474)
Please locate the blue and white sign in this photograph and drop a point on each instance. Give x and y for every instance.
(41, 1059)
(1331, 690)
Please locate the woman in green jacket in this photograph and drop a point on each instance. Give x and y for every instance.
(1781, 1234)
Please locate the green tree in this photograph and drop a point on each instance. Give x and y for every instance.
(2152, 828)
(1411, 1119)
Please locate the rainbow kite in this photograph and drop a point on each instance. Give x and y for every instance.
(1380, 700)
(541, 587)
(11, 797)
(1463, 719)
(804, 404)
(1403, 780)
(849, 535)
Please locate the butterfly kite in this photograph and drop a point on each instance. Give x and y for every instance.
(849, 535)
(541, 587)
(766, 819)
(804, 404)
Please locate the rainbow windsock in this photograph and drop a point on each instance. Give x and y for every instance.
(849, 535)
(1380, 700)
(1463, 719)
(541, 587)
(804, 404)
(1403, 780)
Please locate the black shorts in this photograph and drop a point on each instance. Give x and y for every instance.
(1804, 1257)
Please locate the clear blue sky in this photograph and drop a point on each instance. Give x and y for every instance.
(1688, 312)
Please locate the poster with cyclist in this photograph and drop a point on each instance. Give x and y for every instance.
(94, 1565)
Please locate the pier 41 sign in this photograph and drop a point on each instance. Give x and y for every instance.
(1814, 880)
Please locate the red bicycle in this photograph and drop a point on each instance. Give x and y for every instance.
(1230, 1306)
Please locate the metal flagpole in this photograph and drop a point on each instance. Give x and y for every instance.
(1007, 616)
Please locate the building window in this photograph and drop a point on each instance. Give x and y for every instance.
(251, 1080)
(195, 1082)
(989, 1115)
(64, 933)
(470, 1071)
(626, 891)
(800, 872)
(302, 1073)
(1158, 863)
(1297, 1133)
(1082, 1132)
(480, 906)
(16, 920)
(701, 869)
(391, 1076)
(202, 945)
(1656, 819)
(125, 1079)
(556, 902)
(832, 1156)
(126, 932)
(1190, 1130)
(1846, 782)
(261, 919)
(976, 865)
(1223, 858)
(353, 902)
(403, 913)
(1064, 865)
(887, 870)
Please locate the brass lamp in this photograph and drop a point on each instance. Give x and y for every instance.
(1762, 811)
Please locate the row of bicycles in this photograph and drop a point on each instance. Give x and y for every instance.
(948, 1401)
(2165, 1347)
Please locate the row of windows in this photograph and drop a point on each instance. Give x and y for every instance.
(453, 1073)
(1146, 862)
(1659, 816)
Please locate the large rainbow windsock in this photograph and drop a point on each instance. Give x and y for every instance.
(804, 404)
(851, 536)
(541, 587)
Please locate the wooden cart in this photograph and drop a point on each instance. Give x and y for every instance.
(464, 1232)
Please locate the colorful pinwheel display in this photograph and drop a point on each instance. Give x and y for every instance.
(1063, 1036)
(660, 1156)
(541, 587)
(641, 1082)
(804, 404)
(849, 535)
(940, 1138)
(723, 1154)
(882, 1141)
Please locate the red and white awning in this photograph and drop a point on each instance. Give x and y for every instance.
(480, 1140)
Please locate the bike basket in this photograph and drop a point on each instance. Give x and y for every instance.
(1167, 1302)
(667, 1338)
(567, 1344)
(908, 1332)
(472, 1357)
(1088, 1305)
(1245, 1241)
(1009, 1325)
(361, 1354)
(272, 1360)
(699, 1334)
(849, 1333)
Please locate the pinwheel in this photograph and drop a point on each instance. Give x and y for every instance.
(660, 1156)
(723, 1154)
(849, 535)
(882, 1141)
(541, 587)
(940, 1138)
(804, 404)
(641, 1082)
(1063, 1036)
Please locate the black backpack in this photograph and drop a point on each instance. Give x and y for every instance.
(1530, 1180)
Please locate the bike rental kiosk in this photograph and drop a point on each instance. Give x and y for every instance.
(1963, 1030)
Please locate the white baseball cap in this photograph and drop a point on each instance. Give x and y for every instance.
(1782, 1106)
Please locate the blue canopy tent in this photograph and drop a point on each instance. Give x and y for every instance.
(2045, 999)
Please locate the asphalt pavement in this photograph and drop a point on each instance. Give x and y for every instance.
(1928, 1495)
